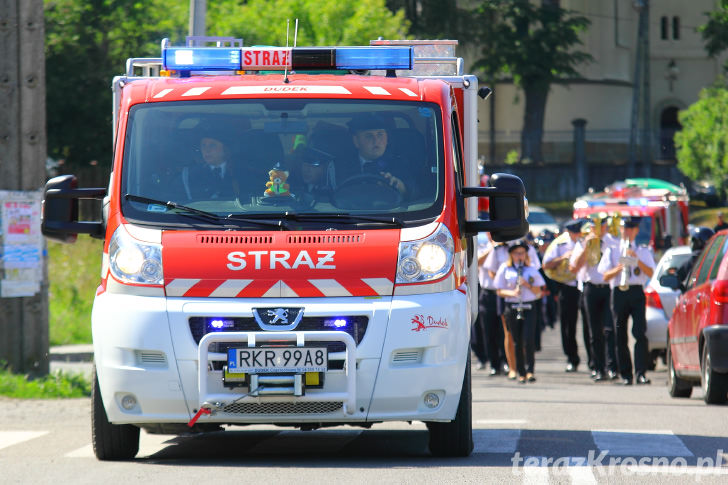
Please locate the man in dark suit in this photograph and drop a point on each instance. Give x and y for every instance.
(211, 179)
(370, 136)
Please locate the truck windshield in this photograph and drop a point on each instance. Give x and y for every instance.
(277, 158)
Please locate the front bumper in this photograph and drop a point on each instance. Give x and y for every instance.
(716, 339)
(413, 345)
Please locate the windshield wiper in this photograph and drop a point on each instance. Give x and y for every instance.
(210, 216)
(329, 216)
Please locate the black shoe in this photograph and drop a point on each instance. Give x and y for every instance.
(598, 376)
(627, 381)
(613, 375)
(593, 374)
(642, 379)
(570, 367)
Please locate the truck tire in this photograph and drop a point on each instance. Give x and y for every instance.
(715, 385)
(111, 442)
(676, 386)
(455, 439)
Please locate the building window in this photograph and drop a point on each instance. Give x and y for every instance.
(676, 28)
(664, 35)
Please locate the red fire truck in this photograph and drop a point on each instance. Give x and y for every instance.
(237, 288)
(662, 206)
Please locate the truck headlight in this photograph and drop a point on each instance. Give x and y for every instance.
(426, 259)
(132, 261)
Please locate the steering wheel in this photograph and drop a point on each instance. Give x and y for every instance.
(367, 191)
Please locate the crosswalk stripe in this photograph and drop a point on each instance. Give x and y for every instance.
(10, 438)
(640, 443)
(582, 475)
(536, 475)
(86, 451)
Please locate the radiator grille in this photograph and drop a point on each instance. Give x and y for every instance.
(237, 240)
(308, 407)
(326, 239)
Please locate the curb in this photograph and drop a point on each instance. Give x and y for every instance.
(71, 353)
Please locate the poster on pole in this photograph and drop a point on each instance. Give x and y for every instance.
(21, 243)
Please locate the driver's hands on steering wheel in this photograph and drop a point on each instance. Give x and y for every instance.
(394, 182)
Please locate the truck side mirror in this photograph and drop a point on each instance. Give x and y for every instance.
(507, 208)
(59, 214)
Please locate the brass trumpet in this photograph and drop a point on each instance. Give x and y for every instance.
(593, 246)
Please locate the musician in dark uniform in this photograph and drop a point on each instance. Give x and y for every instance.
(520, 285)
(627, 268)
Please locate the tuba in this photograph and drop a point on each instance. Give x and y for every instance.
(561, 273)
(593, 247)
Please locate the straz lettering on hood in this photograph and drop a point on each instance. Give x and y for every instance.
(276, 259)
(279, 264)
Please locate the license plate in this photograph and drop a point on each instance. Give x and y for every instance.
(268, 360)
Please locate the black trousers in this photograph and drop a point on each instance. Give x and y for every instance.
(522, 330)
(489, 330)
(625, 304)
(568, 313)
(598, 316)
(586, 332)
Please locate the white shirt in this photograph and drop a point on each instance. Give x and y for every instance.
(484, 245)
(556, 251)
(507, 277)
(611, 258)
(588, 274)
(499, 255)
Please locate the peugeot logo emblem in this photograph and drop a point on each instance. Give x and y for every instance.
(278, 318)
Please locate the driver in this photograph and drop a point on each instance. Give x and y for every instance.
(210, 179)
(369, 135)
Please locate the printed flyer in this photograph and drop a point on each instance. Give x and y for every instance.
(21, 244)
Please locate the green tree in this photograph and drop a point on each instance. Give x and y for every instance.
(702, 144)
(87, 43)
(320, 22)
(536, 45)
(715, 31)
(430, 19)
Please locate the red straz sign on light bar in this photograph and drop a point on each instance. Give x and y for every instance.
(266, 58)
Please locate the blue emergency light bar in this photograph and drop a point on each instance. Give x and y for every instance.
(295, 58)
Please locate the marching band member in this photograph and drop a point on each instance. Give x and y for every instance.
(568, 298)
(493, 262)
(520, 284)
(596, 293)
(627, 268)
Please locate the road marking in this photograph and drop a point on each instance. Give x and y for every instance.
(496, 440)
(150, 444)
(535, 475)
(83, 452)
(501, 421)
(639, 443)
(10, 438)
(583, 475)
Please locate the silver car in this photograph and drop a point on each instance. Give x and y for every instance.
(661, 300)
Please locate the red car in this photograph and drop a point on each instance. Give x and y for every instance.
(697, 334)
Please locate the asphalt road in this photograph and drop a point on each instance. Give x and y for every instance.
(561, 429)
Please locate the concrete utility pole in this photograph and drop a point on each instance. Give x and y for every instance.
(23, 321)
(198, 14)
(641, 94)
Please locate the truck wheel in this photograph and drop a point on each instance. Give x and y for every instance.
(715, 385)
(456, 437)
(676, 387)
(110, 441)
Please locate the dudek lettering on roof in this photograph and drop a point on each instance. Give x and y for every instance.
(270, 58)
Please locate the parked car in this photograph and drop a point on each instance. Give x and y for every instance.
(540, 219)
(660, 301)
(706, 191)
(697, 350)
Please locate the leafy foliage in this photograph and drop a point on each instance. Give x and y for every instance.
(715, 31)
(320, 22)
(702, 144)
(59, 384)
(431, 19)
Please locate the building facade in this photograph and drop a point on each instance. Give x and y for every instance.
(678, 69)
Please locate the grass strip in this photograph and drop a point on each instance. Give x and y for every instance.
(57, 385)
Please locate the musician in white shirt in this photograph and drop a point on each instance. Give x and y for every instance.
(627, 268)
